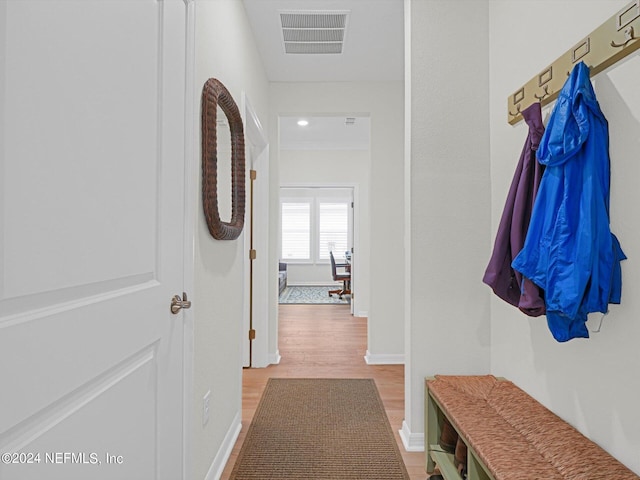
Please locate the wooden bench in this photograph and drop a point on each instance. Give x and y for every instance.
(509, 435)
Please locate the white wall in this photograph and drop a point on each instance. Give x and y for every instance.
(330, 168)
(448, 327)
(225, 50)
(384, 102)
(593, 383)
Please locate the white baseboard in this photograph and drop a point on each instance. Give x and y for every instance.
(384, 358)
(413, 442)
(361, 313)
(274, 358)
(221, 458)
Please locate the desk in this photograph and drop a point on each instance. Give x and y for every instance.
(347, 261)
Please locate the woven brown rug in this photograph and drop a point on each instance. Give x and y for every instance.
(320, 429)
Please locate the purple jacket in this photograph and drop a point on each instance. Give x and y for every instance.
(500, 276)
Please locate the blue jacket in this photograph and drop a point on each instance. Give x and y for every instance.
(570, 251)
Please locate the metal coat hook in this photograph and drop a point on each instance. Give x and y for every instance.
(518, 112)
(628, 36)
(545, 94)
(613, 40)
(597, 330)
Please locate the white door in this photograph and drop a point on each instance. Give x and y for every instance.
(91, 175)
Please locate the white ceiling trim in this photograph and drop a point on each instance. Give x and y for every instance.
(316, 147)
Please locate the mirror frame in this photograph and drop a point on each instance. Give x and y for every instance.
(215, 94)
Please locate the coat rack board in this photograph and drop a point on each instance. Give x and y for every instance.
(606, 45)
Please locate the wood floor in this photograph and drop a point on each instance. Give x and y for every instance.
(326, 341)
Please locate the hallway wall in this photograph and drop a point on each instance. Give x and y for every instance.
(225, 50)
(447, 177)
(593, 383)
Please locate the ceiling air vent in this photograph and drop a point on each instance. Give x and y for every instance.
(313, 32)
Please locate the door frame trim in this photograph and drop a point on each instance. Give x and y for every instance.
(191, 165)
(257, 140)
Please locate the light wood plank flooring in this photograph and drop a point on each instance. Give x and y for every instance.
(326, 341)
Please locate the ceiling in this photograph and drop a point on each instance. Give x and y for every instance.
(325, 133)
(372, 49)
(373, 43)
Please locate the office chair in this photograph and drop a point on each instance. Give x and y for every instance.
(344, 277)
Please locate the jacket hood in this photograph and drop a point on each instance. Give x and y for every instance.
(570, 119)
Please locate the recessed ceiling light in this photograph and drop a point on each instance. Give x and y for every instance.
(303, 123)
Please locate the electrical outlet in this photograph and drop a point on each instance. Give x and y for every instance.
(205, 407)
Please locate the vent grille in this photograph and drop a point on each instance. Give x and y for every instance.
(314, 32)
(300, 35)
(311, 48)
(307, 19)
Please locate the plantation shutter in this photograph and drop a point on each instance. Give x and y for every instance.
(296, 231)
(333, 229)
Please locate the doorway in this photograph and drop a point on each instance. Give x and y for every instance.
(315, 220)
(324, 152)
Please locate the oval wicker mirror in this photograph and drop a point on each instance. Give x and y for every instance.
(215, 94)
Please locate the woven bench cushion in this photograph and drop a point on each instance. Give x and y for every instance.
(499, 446)
(564, 447)
(516, 437)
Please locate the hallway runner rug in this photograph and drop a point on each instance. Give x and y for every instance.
(312, 295)
(320, 429)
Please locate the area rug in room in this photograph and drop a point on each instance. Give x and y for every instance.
(320, 429)
(312, 295)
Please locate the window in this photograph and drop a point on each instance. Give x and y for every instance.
(296, 231)
(333, 229)
(314, 220)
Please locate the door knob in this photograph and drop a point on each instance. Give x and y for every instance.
(178, 303)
